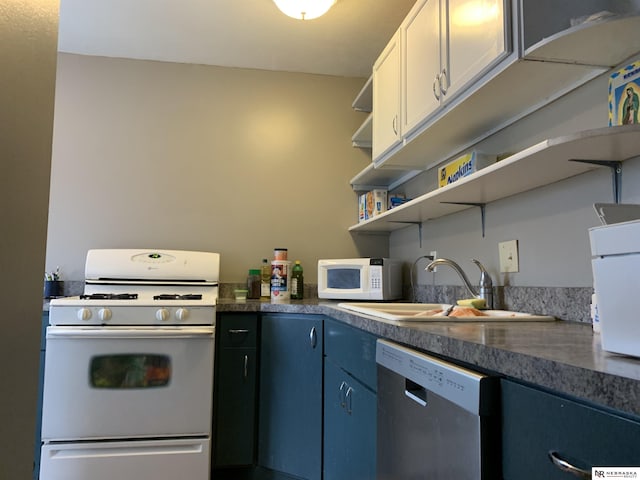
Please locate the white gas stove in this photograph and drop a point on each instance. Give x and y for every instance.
(143, 287)
(128, 381)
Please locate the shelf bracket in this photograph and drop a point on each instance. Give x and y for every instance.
(419, 224)
(482, 210)
(616, 174)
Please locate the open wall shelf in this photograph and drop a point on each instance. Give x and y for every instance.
(547, 162)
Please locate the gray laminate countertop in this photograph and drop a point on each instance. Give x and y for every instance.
(562, 356)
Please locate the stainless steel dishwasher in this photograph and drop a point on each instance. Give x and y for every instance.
(436, 420)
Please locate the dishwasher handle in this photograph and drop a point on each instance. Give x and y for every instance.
(415, 392)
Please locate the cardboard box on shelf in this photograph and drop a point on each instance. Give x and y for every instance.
(362, 207)
(463, 166)
(624, 95)
(371, 204)
(396, 199)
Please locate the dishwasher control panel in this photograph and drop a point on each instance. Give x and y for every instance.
(429, 374)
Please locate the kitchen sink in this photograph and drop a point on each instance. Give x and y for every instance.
(432, 312)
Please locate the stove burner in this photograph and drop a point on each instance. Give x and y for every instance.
(110, 296)
(175, 296)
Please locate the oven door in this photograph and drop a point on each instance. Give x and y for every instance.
(124, 382)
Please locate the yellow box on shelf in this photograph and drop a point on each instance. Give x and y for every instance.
(463, 166)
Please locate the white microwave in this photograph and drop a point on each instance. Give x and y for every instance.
(360, 279)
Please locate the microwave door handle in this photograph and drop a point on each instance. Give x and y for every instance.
(129, 333)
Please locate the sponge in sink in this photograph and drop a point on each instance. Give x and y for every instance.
(478, 303)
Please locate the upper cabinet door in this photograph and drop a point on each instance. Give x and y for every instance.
(421, 60)
(476, 38)
(386, 99)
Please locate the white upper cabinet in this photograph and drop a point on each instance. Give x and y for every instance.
(517, 57)
(445, 45)
(386, 98)
(476, 38)
(421, 66)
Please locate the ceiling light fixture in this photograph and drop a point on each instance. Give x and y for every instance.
(304, 9)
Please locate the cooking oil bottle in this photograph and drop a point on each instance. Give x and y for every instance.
(265, 279)
(297, 282)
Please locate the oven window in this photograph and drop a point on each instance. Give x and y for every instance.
(130, 371)
(343, 278)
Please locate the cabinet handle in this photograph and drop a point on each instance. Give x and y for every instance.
(313, 337)
(245, 367)
(444, 76)
(234, 331)
(394, 124)
(343, 400)
(436, 87)
(567, 467)
(348, 400)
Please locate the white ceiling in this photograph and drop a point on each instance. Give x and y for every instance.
(233, 33)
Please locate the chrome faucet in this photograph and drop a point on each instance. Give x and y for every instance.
(486, 285)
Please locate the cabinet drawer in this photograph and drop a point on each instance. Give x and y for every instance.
(536, 423)
(353, 350)
(237, 330)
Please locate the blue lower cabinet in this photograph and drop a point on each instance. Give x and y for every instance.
(290, 404)
(350, 402)
(349, 426)
(234, 420)
(547, 436)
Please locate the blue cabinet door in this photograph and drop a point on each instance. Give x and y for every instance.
(350, 426)
(235, 412)
(538, 425)
(290, 412)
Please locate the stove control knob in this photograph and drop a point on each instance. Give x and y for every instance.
(84, 314)
(104, 314)
(162, 315)
(182, 314)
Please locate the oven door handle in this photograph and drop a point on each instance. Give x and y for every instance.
(130, 333)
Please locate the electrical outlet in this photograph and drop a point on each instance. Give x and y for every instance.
(508, 256)
(434, 254)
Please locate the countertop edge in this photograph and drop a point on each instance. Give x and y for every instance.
(563, 357)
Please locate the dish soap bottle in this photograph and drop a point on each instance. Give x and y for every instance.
(265, 279)
(297, 281)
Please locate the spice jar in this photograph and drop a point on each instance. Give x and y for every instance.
(253, 284)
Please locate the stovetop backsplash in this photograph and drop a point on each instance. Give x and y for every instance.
(564, 303)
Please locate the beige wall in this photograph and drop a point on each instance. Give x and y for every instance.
(161, 155)
(28, 36)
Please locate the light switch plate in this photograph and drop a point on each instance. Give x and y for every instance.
(508, 256)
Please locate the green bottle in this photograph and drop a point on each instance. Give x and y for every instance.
(297, 282)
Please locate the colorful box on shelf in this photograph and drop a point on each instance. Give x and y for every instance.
(396, 199)
(371, 204)
(463, 166)
(624, 95)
